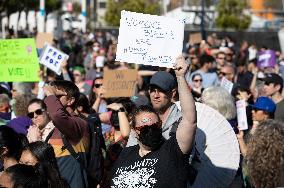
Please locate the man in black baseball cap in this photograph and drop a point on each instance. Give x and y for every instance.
(163, 93)
(273, 85)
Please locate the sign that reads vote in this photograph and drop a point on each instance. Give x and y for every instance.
(18, 60)
(52, 58)
(149, 39)
(266, 59)
(119, 83)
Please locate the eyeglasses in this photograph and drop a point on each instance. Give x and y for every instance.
(200, 80)
(158, 124)
(98, 85)
(221, 58)
(224, 73)
(37, 112)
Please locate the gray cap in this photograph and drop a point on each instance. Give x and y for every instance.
(164, 80)
(140, 100)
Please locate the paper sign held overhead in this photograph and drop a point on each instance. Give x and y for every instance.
(18, 60)
(149, 39)
(42, 38)
(52, 58)
(242, 115)
(120, 83)
(226, 84)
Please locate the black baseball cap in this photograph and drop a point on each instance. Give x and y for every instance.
(273, 78)
(164, 81)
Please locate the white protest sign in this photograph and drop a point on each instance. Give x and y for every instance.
(226, 84)
(242, 115)
(100, 60)
(149, 39)
(52, 58)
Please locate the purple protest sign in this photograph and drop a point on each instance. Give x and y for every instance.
(266, 58)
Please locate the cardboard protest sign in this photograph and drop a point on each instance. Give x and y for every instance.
(52, 58)
(226, 84)
(42, 38)
(266, 58)
(195, 38)
(18, 60)
(119, 83)
(242, 115)
(149, 40)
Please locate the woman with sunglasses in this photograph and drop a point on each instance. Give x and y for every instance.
(42, 125)
(197, 87)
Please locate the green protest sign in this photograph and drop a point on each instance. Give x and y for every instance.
(18, 60)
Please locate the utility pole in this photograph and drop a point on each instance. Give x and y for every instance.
(84, 14)
(202, 25)
(41, 23)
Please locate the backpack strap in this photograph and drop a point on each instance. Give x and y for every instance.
(68, 146)
(49, 135)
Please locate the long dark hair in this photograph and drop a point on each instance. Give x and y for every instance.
(24, 176)
(83, 101)
(13, 141)
(45, 155)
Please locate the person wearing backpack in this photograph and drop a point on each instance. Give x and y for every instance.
(95, 159)
(61, 98)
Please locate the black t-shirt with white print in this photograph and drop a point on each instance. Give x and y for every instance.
(165, 167)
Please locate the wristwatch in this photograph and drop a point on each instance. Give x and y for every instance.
(121, 109)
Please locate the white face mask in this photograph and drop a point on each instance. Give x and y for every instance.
(96, 48)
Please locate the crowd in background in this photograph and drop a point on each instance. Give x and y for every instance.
(36, 116)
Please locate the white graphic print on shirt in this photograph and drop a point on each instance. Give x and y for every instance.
(136, 176)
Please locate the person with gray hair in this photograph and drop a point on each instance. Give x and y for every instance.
(221, 100)
(21, 88)
(5, 113)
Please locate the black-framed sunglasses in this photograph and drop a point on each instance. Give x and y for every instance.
(198, 80)
(37, 112)
(158, 124)
(98, 85)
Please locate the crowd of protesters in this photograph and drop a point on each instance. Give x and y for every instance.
(146, 139)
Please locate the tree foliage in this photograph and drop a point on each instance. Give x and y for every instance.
(12, 6)
(114, 7)
(231, 15)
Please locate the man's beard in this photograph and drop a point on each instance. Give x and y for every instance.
(162, 109)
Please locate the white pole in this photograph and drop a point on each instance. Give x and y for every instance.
(41, 23)
(3, 29)
(84, 15)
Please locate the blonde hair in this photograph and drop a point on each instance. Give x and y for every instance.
(221, 100)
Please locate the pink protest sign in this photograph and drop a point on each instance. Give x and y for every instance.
(266, 58)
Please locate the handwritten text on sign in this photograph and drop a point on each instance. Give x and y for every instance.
(18, 60)
(149, 40)
(52, 58)
(120, 83)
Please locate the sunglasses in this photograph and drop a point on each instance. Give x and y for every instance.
(224, 73)
(158, 124)
(98, 85)
(37, 112)
(198, 80)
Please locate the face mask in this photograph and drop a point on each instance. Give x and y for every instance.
(151, 136)
(96, 49)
